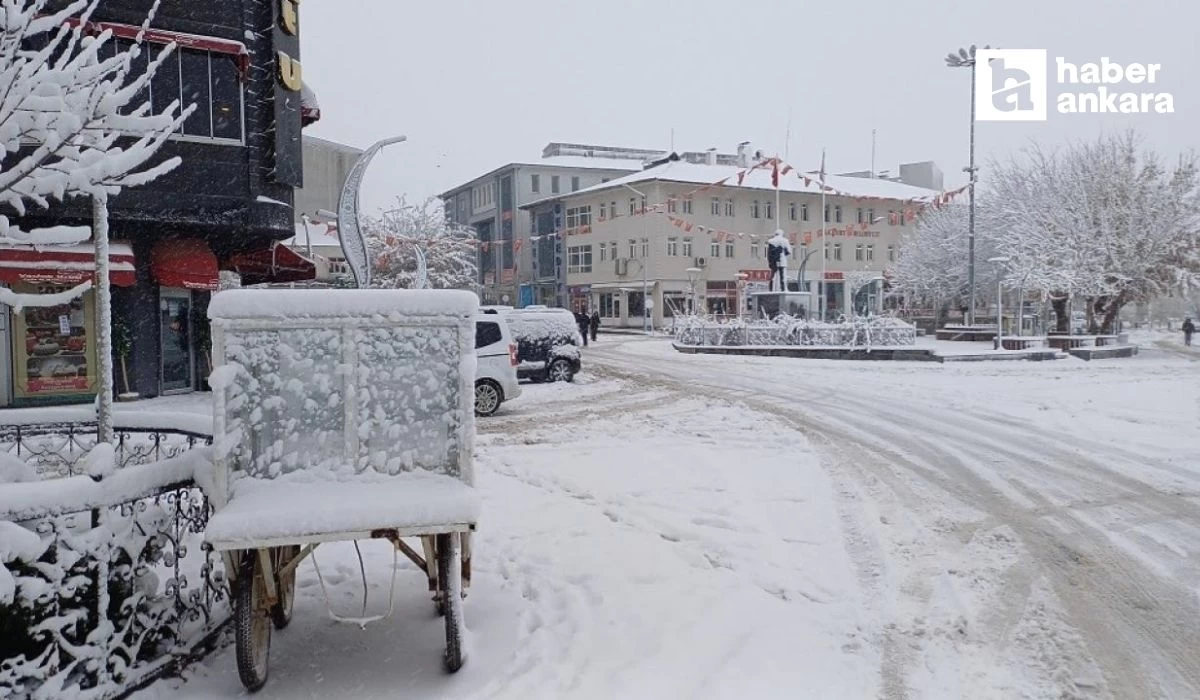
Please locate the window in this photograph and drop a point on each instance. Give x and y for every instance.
(870, 216)
(672, 246)
(579, 259)
(645, 247)
(828, 249)
(670, 205)
(687, 246)
(859, 253)
(603, 252)
(729, 248)
(612, 210)
(714, 249)
(574, 183)
(535, 183)
(729, 207)
(891, 253)
(837, 213)
(632, 206)
(643, 205)
(792, 211)
(603, 210)
(804, 212)
(870, 253)
(687, 205)
(716, 206)
(553, 184)
(210, 80)
(610, 305)
(755, 251)
(860, 214)
(755, 212)
(770, 210)
(902, 216)
(826, 213)
(632, 248)
(487, 334)
(579, 216)
(837, 251)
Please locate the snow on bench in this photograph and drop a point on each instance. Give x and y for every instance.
(301, 507)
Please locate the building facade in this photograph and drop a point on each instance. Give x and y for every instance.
(327, 164)
(682, 233)
(225, 207)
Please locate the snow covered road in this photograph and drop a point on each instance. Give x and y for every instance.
(679, 526)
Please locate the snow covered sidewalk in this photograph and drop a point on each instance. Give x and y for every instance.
(655, 547)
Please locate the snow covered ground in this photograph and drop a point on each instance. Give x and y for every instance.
(679, 526)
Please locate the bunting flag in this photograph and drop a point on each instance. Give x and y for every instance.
(517, 244)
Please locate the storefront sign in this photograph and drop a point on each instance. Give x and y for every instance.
(288, 161)
(756, 275)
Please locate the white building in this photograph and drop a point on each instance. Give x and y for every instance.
(327, 164)
(697, 216)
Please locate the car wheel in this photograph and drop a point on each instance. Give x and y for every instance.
(560, 371)
(488, 397)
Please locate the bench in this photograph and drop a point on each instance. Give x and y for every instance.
(1071, 342)
(966, 333)
(1022, 342)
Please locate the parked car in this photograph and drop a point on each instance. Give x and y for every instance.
(548, 343)
(496, 365)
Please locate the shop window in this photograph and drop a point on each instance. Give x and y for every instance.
(54, 346)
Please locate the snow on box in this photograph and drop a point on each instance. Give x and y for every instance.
(340, 390)
(305, 303)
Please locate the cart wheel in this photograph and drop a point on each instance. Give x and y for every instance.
(449, 553)
(252, 624)
(281, 611)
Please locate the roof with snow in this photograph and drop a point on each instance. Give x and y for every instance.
(759, 179)
(569, 162)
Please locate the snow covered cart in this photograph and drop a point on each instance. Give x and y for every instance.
(340, 415)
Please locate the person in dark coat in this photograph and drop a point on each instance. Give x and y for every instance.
(584, 323)
(595, 324)
(1189, 329)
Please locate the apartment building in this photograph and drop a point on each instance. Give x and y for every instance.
(635, 238)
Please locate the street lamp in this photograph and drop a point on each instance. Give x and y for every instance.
(741, 292)
(647, 320)
(965, 58)
(999, 299)
(693, 274)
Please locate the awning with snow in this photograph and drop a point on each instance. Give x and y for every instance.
(278, 263)
(184, 262)
(236, 49)
(71, 264)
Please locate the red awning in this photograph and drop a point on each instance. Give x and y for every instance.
(72, 264)
(236, 49)
(278, 263)
(184, 262)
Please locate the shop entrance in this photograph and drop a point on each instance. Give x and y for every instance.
(178, 363)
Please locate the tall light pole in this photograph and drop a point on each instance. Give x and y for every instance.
(741, 292)
(998, 260)
(647, 321)
(965, 58)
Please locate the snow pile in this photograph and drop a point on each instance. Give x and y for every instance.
(16, 544)
(13, 469)
(859, 332)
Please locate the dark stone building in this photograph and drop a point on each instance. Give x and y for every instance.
(224, 208)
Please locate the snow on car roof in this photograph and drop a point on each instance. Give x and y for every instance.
(305, 303)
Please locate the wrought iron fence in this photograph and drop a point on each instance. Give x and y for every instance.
(104, 597)
(861, 332)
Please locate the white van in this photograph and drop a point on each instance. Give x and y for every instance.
(496, 367)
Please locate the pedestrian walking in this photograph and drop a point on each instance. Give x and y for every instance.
(595, 324)
(584, 324)
(1189, 329)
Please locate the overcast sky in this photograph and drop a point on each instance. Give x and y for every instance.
(479, 84)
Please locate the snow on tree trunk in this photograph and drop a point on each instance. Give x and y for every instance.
(104, 398)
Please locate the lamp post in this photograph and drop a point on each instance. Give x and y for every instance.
(965, 58)
(693, 274)
(999, 300)
(647, 321)
(741, 293)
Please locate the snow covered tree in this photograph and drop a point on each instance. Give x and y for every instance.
(450, 249)
(1104, 221)
(932, 260)
(75, 121)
